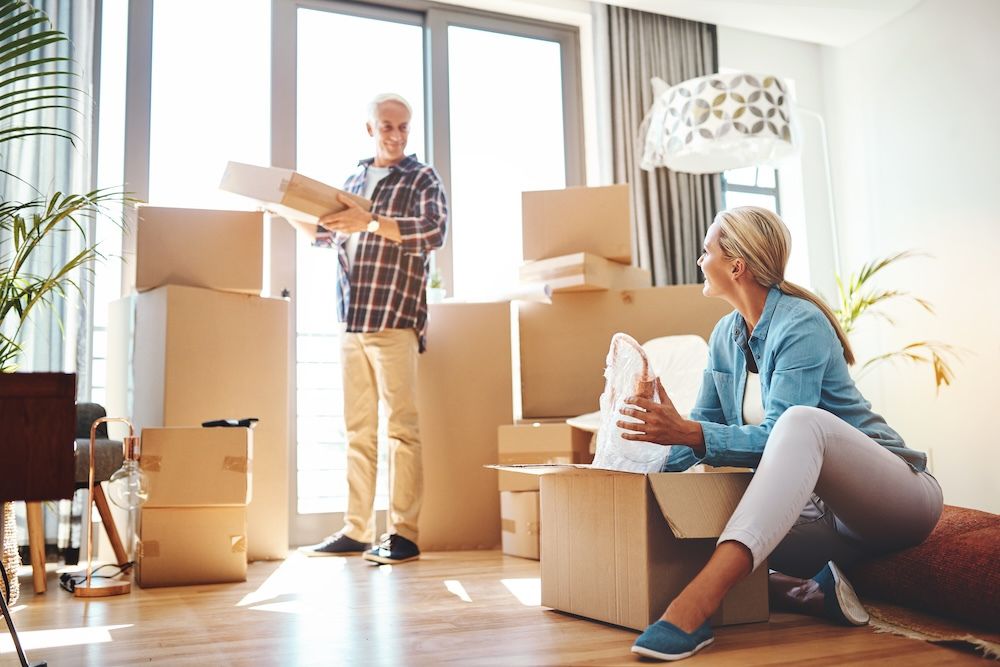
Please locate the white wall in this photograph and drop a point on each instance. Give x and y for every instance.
(912, 110)
(802, 180)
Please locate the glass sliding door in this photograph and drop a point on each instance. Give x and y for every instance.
(340, 69)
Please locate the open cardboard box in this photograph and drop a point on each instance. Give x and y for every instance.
(286, 192)
(619, 546)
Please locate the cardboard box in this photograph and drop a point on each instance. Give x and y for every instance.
(464, 392)
(538, 442)
(221, 250)
(583, 272)
(197, 466)
(560, 222)
(286, 192)
(198, 355)
(563, 345)
(191, 545)
(519, 524)
(618, 547)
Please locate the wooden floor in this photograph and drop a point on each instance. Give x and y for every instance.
(471, 608)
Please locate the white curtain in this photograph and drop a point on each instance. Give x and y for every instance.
(44, 166)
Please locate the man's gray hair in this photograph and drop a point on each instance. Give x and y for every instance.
(386, 97)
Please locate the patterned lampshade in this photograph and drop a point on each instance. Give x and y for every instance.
(719, 122)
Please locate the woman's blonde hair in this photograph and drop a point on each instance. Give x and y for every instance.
(759, 237)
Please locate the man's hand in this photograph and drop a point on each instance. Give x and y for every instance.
(659, 423)
(350, 220)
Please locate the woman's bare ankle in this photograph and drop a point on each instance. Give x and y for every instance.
(687, 617)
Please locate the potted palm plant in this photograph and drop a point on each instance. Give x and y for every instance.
(857, 297)
(35, 84)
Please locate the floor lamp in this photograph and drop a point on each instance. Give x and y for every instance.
(718, 122)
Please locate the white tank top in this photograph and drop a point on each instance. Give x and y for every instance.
(753, 404)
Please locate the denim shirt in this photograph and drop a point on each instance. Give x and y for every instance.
(801, 362)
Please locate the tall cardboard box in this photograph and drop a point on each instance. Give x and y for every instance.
(584, 272)
(618, 547)
(199, 355)
(538, 443)
(193, 467)
(562, 222)
(220, 250)
(563, 345)
(464, 392)
(519, 525)
(181, 546)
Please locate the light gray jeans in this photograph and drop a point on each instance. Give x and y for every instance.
(826, 491)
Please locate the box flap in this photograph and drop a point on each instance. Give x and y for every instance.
(698, 504)
(560, 468)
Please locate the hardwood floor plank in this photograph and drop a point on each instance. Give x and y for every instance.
(466, 608)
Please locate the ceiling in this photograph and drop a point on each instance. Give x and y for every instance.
(830, 22)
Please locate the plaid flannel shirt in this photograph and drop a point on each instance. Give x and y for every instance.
(385, 287)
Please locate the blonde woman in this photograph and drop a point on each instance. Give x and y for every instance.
(834, 484)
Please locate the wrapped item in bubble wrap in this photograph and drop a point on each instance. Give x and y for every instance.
(627, 373)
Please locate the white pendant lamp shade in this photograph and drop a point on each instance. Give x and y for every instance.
(719, 122)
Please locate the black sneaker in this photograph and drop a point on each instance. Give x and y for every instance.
(337, 544)
(393, 549)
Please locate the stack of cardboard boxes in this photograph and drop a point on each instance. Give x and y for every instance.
(614, 546)
(579, 239)
(198, 342)
(193, 528)
(575, 240)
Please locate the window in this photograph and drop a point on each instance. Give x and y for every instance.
(496, 112)
(751, 186)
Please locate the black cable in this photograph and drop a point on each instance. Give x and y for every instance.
(68, 582)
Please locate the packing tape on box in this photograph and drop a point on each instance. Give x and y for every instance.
(153, 463)
(150, 462)
(149, 549)
(238, 543)
(534, 528)
(536, 457)
(235, 463)
(508, 525)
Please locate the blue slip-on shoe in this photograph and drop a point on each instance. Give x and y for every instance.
(665, 641)
(840, 601)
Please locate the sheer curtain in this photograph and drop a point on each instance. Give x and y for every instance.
(671, 211)
(38, 167)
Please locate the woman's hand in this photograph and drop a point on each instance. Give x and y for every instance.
(659, 423)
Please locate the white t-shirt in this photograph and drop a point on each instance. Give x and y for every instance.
(753, 403)
(372, 177)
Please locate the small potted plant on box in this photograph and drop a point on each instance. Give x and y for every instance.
(435, 287)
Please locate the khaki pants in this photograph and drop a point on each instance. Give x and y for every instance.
(382, 366)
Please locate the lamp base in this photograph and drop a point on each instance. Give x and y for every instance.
(101, 588)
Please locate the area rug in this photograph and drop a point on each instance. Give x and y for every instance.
(917, 625)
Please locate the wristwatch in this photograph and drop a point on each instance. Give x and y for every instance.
(373, 224)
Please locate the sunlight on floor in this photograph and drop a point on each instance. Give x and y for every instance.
(36, 639)
(527, 591)
(297, 573)
(455, 587)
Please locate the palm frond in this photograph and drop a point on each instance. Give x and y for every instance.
(934, 353)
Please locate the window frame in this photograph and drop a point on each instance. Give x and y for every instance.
(755, 189)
